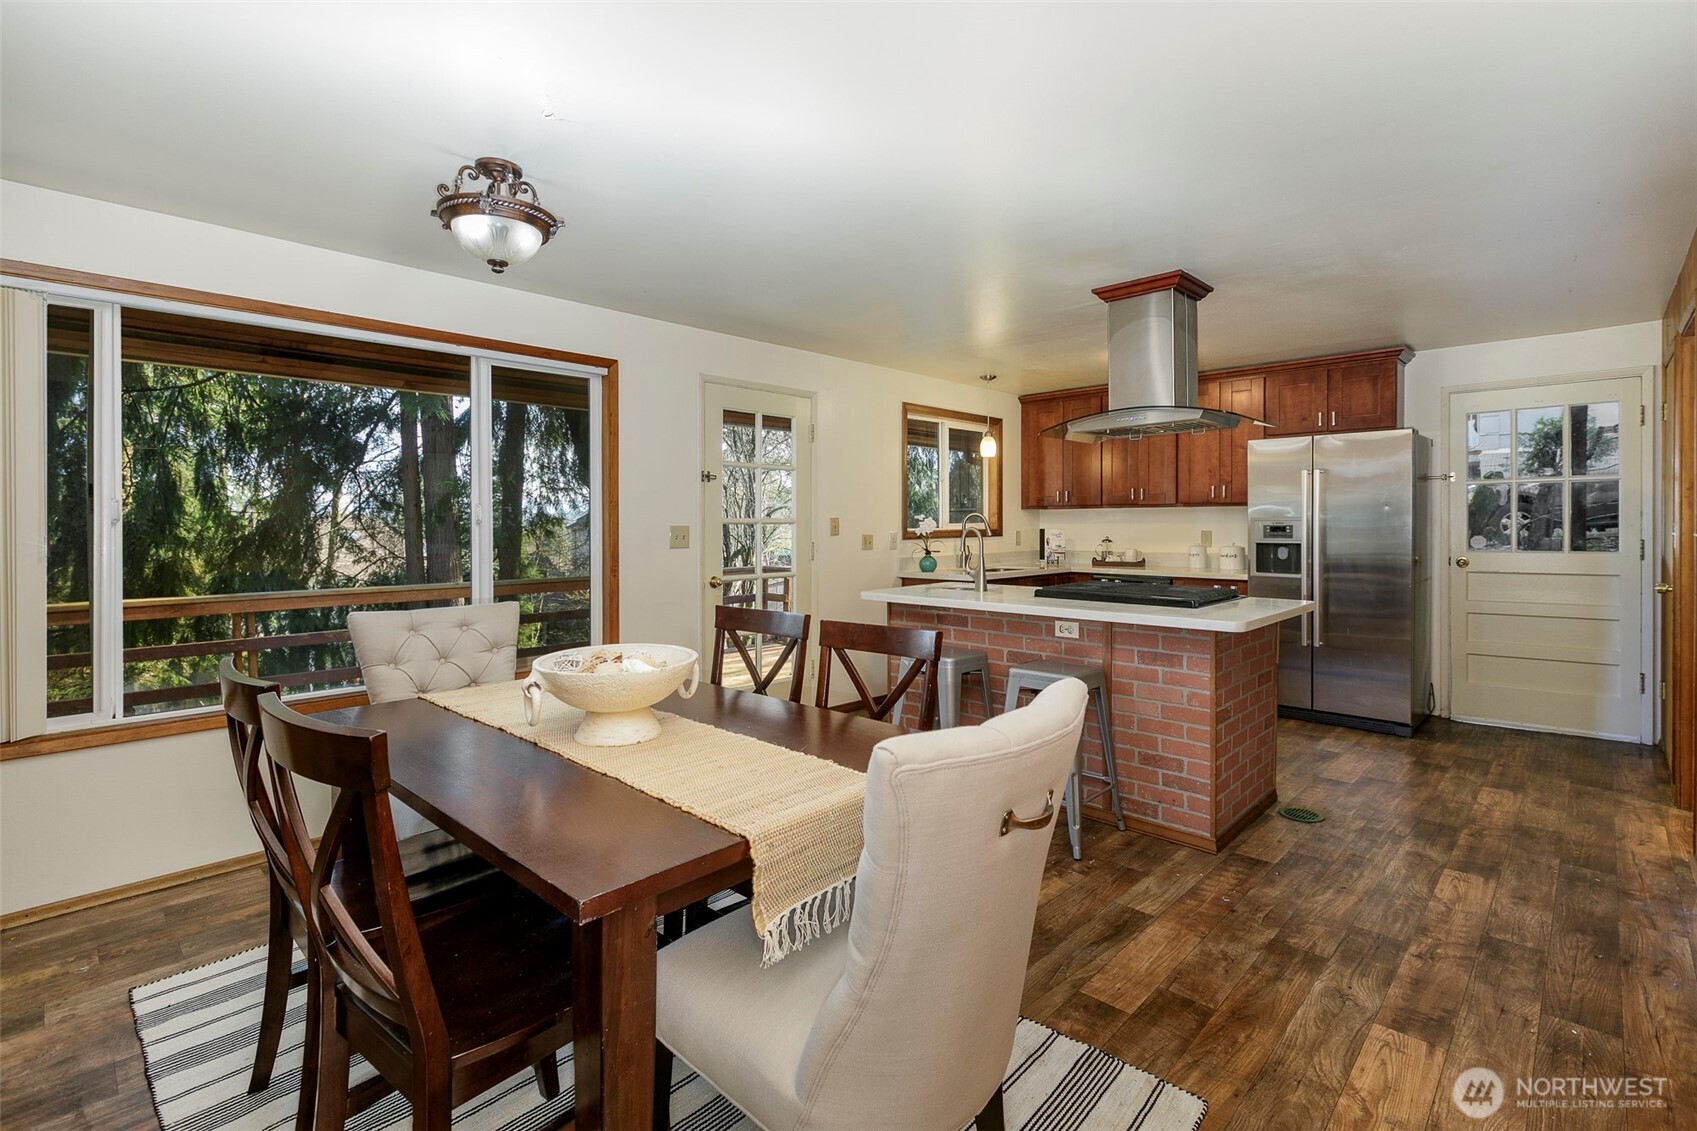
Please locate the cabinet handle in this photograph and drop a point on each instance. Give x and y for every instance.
(1334, 420)
(1225, 493)
(1140, 494)
(1210, 490)
(1319, 420)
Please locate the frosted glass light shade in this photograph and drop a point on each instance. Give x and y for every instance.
(496, 239)
(987, 446)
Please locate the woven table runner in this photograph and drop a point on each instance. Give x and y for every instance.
(801, 815)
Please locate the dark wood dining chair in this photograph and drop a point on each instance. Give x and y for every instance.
(923, 646)
(445, 1004)
(731, 622)
(434, 878)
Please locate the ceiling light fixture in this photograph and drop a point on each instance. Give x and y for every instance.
(496, 225)
(987, 446)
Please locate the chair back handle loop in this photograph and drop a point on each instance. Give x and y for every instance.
(1040, 821)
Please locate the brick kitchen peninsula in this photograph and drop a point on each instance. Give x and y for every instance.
(1193, 693)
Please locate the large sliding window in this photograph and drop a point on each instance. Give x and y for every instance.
(234, 489)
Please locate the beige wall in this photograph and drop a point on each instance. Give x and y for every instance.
(70, 820)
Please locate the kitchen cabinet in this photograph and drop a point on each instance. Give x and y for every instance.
(1058, 473)
(1350, 393)
(1140, 473)
(1358, 392)
(1213, 467)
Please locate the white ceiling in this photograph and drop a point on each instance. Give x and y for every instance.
(932, 187)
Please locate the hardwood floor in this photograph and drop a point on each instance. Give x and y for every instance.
(1475, 897)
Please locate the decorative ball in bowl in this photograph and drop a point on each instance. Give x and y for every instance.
(615, 685)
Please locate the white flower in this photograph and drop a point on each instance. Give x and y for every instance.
(926, 525)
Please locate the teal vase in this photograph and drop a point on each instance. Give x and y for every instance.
(928, 564)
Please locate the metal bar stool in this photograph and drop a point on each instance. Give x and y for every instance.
(956, 665)
(1040, 674)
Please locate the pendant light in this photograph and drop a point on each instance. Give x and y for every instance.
(497, 225)
(987, 446)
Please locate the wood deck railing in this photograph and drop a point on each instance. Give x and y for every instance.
(245, 640)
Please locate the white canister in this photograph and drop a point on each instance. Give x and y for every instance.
(1232, 558)
(1199, 556)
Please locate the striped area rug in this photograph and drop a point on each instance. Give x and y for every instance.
(198, 1030)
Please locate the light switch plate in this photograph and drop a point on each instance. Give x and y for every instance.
(894, 539)
(836, 527)
(680, 538)
(866, 541)
(1019, 537)
(1066, 630)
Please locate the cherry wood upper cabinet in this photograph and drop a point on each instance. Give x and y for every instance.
(1357, 392)
(1059, 473)
(1296, 401)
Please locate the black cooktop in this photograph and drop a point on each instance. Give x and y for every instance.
(1140, 593)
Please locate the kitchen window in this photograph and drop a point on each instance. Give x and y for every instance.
(944, 475)
(234, 489)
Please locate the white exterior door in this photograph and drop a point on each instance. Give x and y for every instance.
(756, 552)
(1544, 561)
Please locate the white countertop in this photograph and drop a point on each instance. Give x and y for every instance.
(1242, 615)
(1159, 565)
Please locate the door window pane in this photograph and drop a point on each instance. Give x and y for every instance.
(1487, 445)
(778, 545)
(1596, 438)
(1489, 525)
(1538, 516)
(739, 492)
(70, 518)
(777, 494)
(1538, 442)
(1596, 516)
(737, 437)
(739, 547)
(777, 440)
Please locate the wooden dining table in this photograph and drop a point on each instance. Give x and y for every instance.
(604, 853)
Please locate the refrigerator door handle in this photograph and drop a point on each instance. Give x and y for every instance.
(1319, 552)
(1307, 566)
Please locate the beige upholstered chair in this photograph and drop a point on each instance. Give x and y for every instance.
(906, 1017)
(405, 653)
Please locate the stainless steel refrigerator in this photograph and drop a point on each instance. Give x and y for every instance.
(1340, 520)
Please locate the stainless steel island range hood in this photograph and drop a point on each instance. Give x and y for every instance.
(1151, 364)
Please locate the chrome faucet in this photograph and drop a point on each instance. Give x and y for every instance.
(980, 572)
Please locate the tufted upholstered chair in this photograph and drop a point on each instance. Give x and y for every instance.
(906, 1017)
(405, 653)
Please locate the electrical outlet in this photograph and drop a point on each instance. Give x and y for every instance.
(836, 527)
(1066, 630)
(866, 541)
(1206, 538)
(1019, 537)
(680, 538)
(895, 539)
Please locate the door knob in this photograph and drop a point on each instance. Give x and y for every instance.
(1664, 587)
(1462, 562)
(714, 582)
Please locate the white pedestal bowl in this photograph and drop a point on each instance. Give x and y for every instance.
(615, 685)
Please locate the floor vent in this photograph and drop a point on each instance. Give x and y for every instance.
(1297, 813)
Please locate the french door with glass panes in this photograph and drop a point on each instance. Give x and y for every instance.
(756, 552)
(1544, 559)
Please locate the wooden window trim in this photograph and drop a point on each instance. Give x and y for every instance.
(138, 730)
(994, 465)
